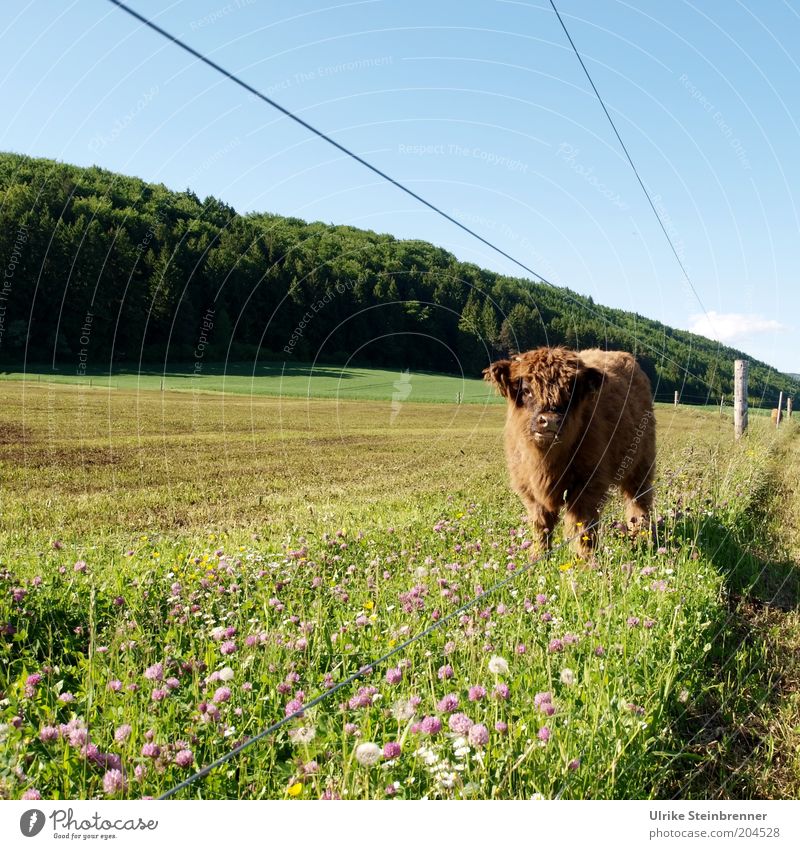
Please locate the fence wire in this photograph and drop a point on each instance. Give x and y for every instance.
(369, 668)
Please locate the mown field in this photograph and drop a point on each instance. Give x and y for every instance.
(181, 570)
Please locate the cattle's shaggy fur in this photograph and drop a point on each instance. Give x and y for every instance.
(578, 423)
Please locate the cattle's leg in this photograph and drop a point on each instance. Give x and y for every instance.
(542, 522)
(637, 491)
(581, 518)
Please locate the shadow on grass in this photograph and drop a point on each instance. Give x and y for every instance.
(178, 369)
(722, 738)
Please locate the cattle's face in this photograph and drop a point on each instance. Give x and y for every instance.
(546, 388)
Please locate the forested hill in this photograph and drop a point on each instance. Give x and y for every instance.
(103, 270)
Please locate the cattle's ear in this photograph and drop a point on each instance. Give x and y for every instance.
(590, 379)
(499, 373)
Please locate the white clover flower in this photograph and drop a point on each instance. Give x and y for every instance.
(448, 780)
(567, 676)
(498, 665)
(226, 674)
(368, 754)
(430, 757)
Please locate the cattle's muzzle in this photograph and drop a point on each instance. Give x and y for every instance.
(545, 427)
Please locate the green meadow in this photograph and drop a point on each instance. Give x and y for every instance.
(181, 568)
(285, 380)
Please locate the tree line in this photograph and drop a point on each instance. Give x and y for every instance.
(104, 271)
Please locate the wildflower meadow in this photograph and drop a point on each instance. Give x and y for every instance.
(132, 657)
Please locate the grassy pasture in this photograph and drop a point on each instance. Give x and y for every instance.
(289, 380)
(180, 568)
(84, 463)
(285, 380)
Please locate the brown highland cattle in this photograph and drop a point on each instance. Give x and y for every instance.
(578, 422)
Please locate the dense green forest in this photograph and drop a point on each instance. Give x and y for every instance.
(104, 271)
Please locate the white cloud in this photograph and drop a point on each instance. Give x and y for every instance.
(730, 326)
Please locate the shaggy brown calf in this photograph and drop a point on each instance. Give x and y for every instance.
(577, 424)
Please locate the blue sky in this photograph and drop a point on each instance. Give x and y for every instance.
(480, 107)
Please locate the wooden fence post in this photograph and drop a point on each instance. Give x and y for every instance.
(739, 397)
(788, 408)
(721, 404)
(676, 397)
(780, 407)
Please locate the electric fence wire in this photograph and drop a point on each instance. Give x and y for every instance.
(369, 668)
